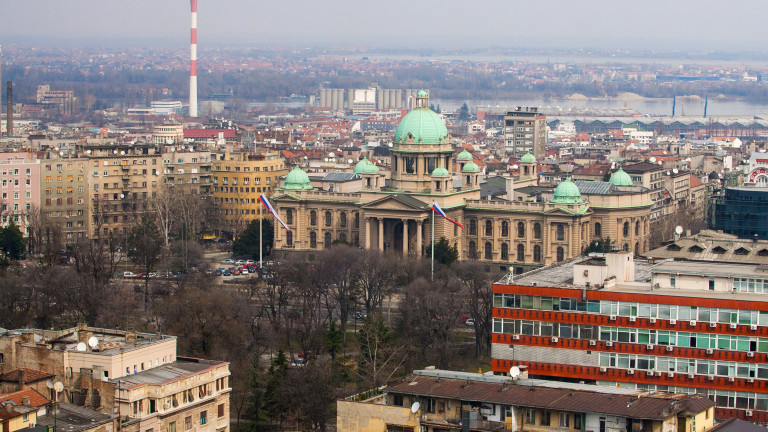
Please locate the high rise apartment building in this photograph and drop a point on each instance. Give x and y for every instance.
(525, 131)
(191, 170)
(64, 199)
(684, 327)
(19, 188)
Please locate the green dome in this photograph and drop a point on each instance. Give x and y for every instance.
(422, 94)
(528, 158)
(470, 167)
(297, 179)
(370, 168)
(440, 172)
(424, 125)
(567, 193)
(360, 166)
(621, 178)
(464, 156)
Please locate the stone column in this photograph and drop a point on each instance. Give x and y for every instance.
(367, 233)
(419, 237)
(405, 237)
(381, 234)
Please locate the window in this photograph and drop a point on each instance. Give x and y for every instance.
(537, 253)
(220, 409)
(327, 240)
(504, 251)
(598, 229)
(313, 240)
(560, 232)
(327, 218)
(203, 417)
(25, 417)
(313, 218)
(564, 419)
(520, 229)
(488, 228)
(504, 229)
(530, 416)
(521, 252)
(430, 405)
(473, 226)
(488, 250)
(625, 230)
(637, 228)
(289, 217)
(545, 418)
(560, 254)
(472, 250)
(711, 284)
(672, 280)
(188, 423)
(577, 421)
(343, 220)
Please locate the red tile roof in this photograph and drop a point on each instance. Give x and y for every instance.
(695, 182)
(35, 398)
(30, 375)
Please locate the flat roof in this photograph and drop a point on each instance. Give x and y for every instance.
(181, 368)
(73, 418)
(561, 275)
(110, 342)
(712, 269)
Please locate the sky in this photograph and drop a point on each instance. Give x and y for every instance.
(664, 25)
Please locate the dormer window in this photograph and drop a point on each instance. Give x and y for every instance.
(741, 251)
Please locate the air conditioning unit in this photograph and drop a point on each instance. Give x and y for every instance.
(609, 344)
(751, 380)
(692, 323)
(632, 319)
(592, 343)
(753, 327)
(167, 404)
(630, 371)
(710, 351)
(516, 337)
(750, 354)
(690, 376)
(613, 317)
(649, 347)
(554, 339)
(711, 377)
(748, 413)
(669, 348)
(673, 322)
(670, 374)
(653, 320)
(713, 324)
(603, 369)
(731, 379)
(733, 326)
(649, 373)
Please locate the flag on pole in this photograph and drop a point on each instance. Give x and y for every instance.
(439, 211)
(271, 209)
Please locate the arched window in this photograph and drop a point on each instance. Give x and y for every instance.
(520, 252)
(637, 228)
(520, 230)
(343, 237)
(625, 231)
(289, 216)
(537, 253)
(289, 238)
(357, 220)
(637, 248)
(473, 226)
(343, 220)
(560, 254)
(504, 229)
(327, 218)
(536, 231)
(488, 228)
(472, 250)
(327, 240)
(313, 240)
(356, 240)
(598, 229)
(560, 232)
(488, 250)
(504, 251)
(626, 247)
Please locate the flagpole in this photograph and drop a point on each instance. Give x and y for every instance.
(261, 238)
(432, 278)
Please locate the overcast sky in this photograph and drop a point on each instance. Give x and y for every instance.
(652, 24)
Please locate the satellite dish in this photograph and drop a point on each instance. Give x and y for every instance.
(675, 170)
(415, 407)
(81, 346)
(515, 167)
(58, 387)
(660, 163)
(514, 372)
(678, 230)
(93, 342)
(49, 384)
(652, 160)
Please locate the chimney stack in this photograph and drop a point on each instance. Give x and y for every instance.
(9, 110)
(193, 62)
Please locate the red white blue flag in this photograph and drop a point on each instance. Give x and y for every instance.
(265, 201)
(440, 211)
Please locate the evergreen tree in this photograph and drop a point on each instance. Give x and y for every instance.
(464, 112)
(12, 242)
(333, 339)
(444, 252)
(248, 242)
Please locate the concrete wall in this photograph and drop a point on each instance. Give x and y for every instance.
(526, 353)
(369, 417)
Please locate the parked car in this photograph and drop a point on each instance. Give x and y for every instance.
(244, 271)
(470, 322)
(228, 261)
(239, 262)
(227, 272)
(250, 262)
(361, 315)
(128, 275)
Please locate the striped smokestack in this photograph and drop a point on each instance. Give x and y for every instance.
(193, 63)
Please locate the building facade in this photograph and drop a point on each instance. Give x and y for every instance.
(20, 189)
(65, 203)
(525, 131)
(741, 211)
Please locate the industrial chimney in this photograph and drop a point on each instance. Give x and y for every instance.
(9, 110)
(193, 63)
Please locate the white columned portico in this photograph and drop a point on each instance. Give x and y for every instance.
(405, 237)
(381, 234)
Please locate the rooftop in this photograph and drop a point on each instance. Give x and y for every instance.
(110, 342)
(561, 275)
(183, 367)
(73, 418)
(709, 245)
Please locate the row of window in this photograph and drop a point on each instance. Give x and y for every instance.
(327, 218)
(505, 229)
(723, 398)
(70, 178)
(124, 162)
(247, 169)
(633, 309)
(15, 182)
(241, 190)
(246, 180)
(327, 239)
(750, 285)
(684, 365)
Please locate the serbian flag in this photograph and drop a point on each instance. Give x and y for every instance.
(440, 211)
(265, 201)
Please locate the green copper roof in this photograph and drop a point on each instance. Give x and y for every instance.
(464, 156)
(440, 172)
(297, 179)
(424, 125)
(567, 193)
(360, 165)
(365, 167)
(528, 158)
(470, 167)
(421, 94)
(621, 178)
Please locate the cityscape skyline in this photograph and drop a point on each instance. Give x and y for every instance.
(594, 23)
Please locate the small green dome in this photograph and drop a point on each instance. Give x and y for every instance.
(464, 156)
(424, 125)
(370, 168)
(621, 178)
(440, 172)
(421, 94)
(360, 166)
(470, 167)
(297, 179)
(528, 158)
(567, 193)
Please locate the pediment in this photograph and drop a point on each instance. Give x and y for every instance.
(397, 202)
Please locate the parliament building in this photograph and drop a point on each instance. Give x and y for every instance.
(529, 227)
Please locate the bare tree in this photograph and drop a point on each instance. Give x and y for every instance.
(144, 248)
(339, 266)
(376, 276)
(381, 356)
(478, 289)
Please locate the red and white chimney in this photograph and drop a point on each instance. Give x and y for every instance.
(193, 63)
